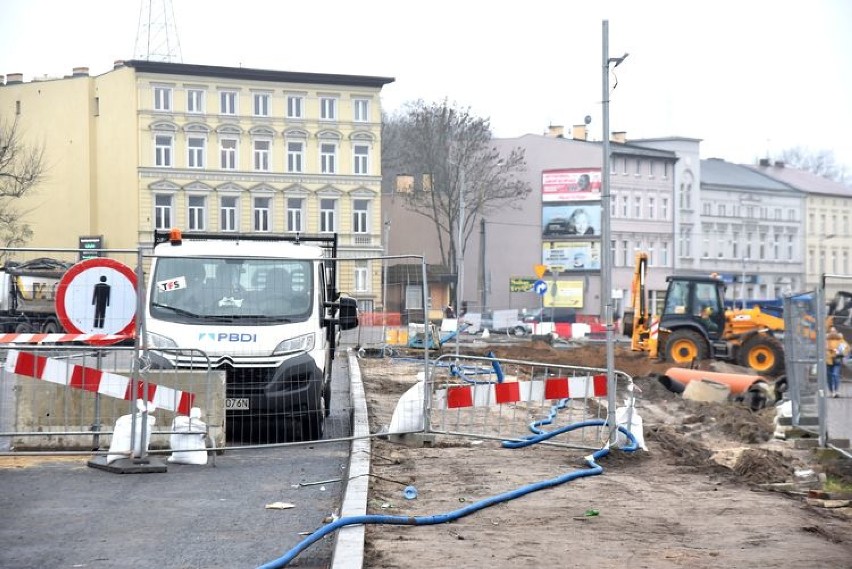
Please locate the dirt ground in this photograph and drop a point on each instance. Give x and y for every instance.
(708, 491)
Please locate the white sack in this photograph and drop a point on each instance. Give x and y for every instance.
(629, 418)
(121, 434)
(187, 439)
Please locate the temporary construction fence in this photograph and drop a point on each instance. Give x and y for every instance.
(68, 398)
(63, 391)
(494, 398)
(803, 327)
(807, 319)
(64, 383)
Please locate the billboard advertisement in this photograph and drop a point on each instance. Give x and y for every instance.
(563, 293)
(576, 184)
(568, 220)
(521, 284)
(568, 256)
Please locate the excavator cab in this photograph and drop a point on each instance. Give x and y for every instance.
(696, 300)
(693, 317)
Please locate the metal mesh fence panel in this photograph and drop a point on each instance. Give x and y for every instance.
(512, 400)
(801, 323)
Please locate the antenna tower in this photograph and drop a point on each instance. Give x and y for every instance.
(157, 37)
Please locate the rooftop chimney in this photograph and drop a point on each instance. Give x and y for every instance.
(80, 72)
(578, 132)
(13, 78)
(764, 163)
(619, 136)
(556, 131)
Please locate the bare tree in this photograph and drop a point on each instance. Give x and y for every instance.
(819, 162)
(21, 170)
(455, 171)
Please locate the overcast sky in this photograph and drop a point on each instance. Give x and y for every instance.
(750, 78)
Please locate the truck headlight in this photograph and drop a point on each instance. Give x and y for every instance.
(298, 344)
(158, 341)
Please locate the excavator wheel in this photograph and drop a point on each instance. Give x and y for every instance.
(684, 346)
(764, 354)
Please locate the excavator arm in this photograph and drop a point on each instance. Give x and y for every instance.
(636, 318)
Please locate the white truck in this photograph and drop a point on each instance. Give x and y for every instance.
(28, 295)
(265, 309)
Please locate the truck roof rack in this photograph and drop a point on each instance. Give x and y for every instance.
(328, 241)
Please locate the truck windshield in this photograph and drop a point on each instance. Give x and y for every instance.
(244, 291)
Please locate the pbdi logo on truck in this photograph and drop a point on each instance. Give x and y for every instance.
(227, 337)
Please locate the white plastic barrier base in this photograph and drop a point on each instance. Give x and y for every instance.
(408, 414)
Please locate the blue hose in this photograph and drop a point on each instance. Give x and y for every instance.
(593, 470)
(535, 425)
(498, 369)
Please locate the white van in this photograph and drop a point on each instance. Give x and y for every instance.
(264, 309)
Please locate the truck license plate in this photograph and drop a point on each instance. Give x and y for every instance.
(237, 403)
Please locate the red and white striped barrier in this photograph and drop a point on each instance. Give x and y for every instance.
(33, 338)
(655, 328)
(536, 391)
(97, 381)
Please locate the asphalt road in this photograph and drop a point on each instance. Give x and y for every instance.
(67, 514)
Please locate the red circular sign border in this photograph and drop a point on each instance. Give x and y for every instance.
(72, 273)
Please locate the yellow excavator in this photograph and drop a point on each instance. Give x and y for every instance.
(694, 325)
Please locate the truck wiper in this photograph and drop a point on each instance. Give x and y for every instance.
(208, 317)
(263, 318)
(176, 310)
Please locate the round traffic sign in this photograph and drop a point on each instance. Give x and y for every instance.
(540, 287)
(97, 296)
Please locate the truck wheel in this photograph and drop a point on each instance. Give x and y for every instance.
(764, 354)
(50, 327)
(23, 328)
(312, 426)
(326, 403)
(519, 331)
(685, 346)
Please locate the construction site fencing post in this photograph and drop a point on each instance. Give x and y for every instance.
(822, 371)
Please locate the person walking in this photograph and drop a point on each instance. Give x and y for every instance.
(836, 350)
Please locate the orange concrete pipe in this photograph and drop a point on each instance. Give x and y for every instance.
(738, 382)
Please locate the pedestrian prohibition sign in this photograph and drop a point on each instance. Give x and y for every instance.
(97, 296)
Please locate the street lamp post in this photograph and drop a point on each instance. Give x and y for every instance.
(606, 250)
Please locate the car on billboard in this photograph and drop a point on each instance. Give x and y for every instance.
(557, 226)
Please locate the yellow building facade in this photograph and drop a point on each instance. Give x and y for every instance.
(153, 145)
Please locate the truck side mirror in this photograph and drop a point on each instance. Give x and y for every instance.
(347, 315)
